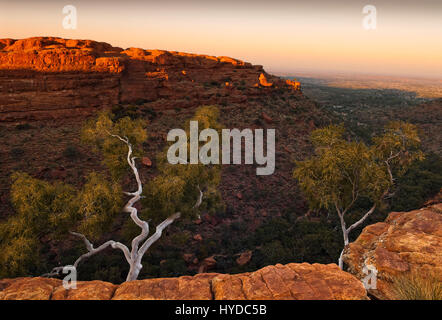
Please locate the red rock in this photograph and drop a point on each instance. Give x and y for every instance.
(182, 288)
(239, 195)
(263, 81)
(244, 258)
(407, 242)
(294, 281)
(30, 289)
(188, 257)
(197, 237)
(50, 78)
(266, 118)
(86, 290)
(146, 161)
(296, 85)
(207, 264)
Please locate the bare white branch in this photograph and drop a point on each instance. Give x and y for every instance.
(135, 255)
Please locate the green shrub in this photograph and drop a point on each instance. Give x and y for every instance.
(23, 126)
(422, 181)
(17, 152)
(70, 152)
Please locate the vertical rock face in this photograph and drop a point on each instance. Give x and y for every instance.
(289, 282)
(52, 77)
(406, 243)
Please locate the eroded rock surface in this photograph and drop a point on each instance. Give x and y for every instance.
(294, 281)
(407, 242)
(48, 77)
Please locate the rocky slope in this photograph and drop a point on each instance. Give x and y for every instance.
(48, 86)
(280, 282)
(406, 242)
(44, 78)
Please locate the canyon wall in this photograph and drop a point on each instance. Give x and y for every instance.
(45, 78)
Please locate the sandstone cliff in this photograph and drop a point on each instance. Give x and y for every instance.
(407, 242)
(283, 282)
(44, 78)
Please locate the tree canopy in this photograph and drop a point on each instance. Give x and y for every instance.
(343, 172)
(46, 210)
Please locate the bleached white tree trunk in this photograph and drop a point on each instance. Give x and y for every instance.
(341, 213)
(141, 243)
(346, 231)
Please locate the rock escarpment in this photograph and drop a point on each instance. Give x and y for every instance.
(294, 281)
(43, 78)
(406, 243)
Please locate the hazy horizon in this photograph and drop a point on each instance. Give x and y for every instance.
(285, 37)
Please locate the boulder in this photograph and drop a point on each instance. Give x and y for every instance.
(294, 281)
(86, 290)
(198, 237)
(244, 258)
(405, 243)
(207, 264)
(182, 288)
(146, 161)
(29, 289)
(263, 81)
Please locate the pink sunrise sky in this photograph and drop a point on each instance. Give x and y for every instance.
(285, 36)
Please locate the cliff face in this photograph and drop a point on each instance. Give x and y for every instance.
(407, 242)
(43, 78)
(280, 282)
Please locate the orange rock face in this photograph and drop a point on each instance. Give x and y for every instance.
(295, 84)
(86, 290)
(244, 258)
(263, 81)
(405, 242)
(294, 281)
(182, 288)
(30, 289)
(146, 161)
(44, 78)
(291, 281)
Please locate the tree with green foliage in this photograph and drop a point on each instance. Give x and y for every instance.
(45, 209)
(343, 172)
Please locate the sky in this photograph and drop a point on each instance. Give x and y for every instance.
(285, 37)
